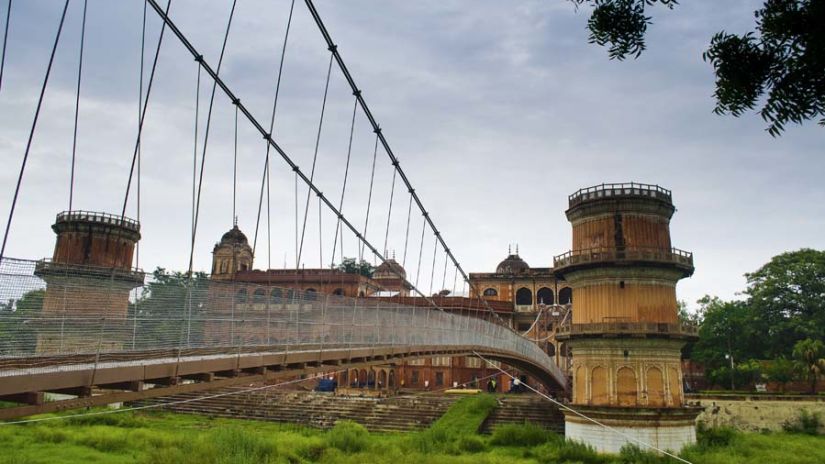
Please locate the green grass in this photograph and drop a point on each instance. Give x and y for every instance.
(165, 438)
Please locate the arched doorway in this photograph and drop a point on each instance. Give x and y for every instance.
(566, 295)
(545, 296)
(524, 296)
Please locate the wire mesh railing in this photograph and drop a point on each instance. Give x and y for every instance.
(88, 315)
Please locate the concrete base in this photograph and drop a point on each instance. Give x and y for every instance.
(669, 429)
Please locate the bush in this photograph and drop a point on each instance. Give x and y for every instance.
(526, 434)
(632, 454)
(806, 422)
(563, 451)
(471, 444)
(348, 436)
(712, 437)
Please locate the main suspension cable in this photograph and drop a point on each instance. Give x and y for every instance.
(394, 160)
(31, 132)
(77, 102)
(284, 156)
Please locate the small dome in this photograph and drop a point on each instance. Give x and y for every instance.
(513, 264)
(234, 237)
(389, 268)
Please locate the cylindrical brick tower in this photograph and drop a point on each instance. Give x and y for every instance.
(625, 332)
(89, 276)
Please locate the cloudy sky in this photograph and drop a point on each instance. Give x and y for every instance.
(497, 111)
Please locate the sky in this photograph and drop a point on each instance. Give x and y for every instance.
(497, 111)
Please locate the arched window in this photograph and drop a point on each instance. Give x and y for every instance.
(490, 292)
(259, 296)
(551, 349)
(544, 296)
(338, 291)
(524, 296)
(310, 294)
(565, 295)
(275, 295)
(240, 296)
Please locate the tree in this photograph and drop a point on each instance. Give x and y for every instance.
(786, 301)
(16, 331)
(165, 303)
(811, 356)
(781, 371)
(785, 60)
(351, 266)
(726, 330)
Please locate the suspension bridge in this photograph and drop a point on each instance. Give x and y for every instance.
(101, 333)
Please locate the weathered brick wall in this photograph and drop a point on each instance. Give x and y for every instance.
(755, 413)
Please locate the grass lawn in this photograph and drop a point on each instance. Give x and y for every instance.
(159, 438)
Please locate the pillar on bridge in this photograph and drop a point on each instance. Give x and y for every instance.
(625, 332)
(88, 280)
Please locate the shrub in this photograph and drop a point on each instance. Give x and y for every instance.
(562, 451)
(348, 436)
(526, 434)
(632, 454)
(126, 420)
(806, 422)
(471, 444)
(712, 437)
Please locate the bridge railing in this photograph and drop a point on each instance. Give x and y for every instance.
(77, 313)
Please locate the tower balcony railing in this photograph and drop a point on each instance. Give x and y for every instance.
(632, 189)
(624, 254)
(56, 268)
(100, 218)
(619, 328)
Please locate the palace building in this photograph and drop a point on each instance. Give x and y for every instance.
(531, 300)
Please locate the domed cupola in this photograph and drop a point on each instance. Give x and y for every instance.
(389, 269)
(231, 255)
(234, 237)
(512, 264)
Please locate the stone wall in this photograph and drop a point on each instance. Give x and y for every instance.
(755, 413)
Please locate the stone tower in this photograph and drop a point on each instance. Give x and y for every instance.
(625, 332)
(90, 274)
(231, 254)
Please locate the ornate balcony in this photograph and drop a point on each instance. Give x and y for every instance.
(627, 329)
(593, 257)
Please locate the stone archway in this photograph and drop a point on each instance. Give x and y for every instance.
(391, 380)
(382, 379)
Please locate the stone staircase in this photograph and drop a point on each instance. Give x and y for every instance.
(319, 410)
(516, 409)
